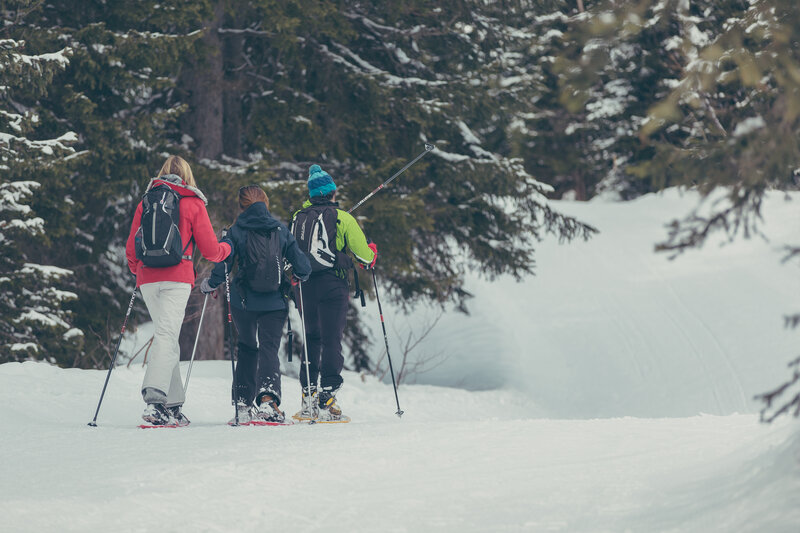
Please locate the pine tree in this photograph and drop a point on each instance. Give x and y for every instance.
(113, 98)
(34, 322)
(359, 88)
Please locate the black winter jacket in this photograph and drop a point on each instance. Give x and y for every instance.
(257, 217)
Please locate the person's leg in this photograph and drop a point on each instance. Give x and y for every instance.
(166, 302)
(270, 330)
(333, 318)
(247, 354)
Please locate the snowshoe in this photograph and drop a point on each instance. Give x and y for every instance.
(156, 415)
(246, 414)
(178, 416)
(268, 412)
(329, 411)
(309, 408)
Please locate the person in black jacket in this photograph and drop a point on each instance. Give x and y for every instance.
(259, 316)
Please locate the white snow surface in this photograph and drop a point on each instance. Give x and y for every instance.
(617, 397)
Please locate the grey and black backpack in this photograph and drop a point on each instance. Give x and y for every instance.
(158, 241)
(314, 229)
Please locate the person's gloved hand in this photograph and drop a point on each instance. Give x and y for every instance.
(374, 247)
(296, 280)
(205, 287)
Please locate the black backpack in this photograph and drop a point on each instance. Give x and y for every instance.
(159, 242)
(314, 229)
(261, 268)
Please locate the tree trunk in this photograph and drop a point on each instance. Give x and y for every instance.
(202, 86)
(234, 91)
(210, 344)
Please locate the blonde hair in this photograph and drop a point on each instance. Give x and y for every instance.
(251, 194)
(175, 164)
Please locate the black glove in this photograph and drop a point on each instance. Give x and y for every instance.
(205, 288)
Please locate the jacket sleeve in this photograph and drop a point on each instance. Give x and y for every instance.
(301, 266)
(130, 246)
(205, 238)
(218, 273)
(354, 237)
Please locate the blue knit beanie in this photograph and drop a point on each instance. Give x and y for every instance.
(320, 182)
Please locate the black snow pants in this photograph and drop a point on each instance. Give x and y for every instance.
(324, 311)
(258, 369)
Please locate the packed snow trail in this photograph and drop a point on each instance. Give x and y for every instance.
(457, 461)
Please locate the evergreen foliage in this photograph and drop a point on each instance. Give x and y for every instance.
(34, 322)
(523, 100)
(108, 101)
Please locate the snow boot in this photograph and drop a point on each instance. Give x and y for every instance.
(179, 418)
(329, 411)
(268, 410)
(246, 414)
(308, 409)
(156, 414)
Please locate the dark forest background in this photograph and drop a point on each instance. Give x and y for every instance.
(525, 101)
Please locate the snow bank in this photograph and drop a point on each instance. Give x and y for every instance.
(609, 328)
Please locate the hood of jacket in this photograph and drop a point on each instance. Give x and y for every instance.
(257, 217)
(177, 185)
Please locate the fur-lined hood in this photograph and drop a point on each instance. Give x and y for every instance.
(178, 185)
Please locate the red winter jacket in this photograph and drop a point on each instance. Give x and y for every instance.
(194, 221)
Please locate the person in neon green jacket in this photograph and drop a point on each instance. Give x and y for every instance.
(326, 233)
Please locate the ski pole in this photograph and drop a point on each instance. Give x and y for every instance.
(305, 344)
(289, 344)
(399, 413)
(428, 148)
(93, 423)
(230, 347)
(194, 349)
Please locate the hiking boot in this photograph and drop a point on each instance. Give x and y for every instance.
(179, 418)
(157, 415)
(269, 411)
(328, 409)
(246, 414)
(308, 409)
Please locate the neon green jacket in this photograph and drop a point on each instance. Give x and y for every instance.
(348, 233)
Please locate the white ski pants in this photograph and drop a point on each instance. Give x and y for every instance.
(166, 302)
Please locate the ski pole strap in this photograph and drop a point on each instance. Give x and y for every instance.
(359, 293)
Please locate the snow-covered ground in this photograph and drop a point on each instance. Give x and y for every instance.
(612, 392)
(456, 461)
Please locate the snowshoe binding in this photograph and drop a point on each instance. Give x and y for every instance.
(329, 410)
(246, 414)
(267, 413)
(309, 408)
(178, 416)
(157, 416)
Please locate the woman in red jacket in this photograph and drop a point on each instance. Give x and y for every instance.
(166, 289)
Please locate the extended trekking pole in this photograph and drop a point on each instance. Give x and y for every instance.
(305, 345)
(199, 325)
(93, 423)
(428, 148)
(399, 413)
(230, 347)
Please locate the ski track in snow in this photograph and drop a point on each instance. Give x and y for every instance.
(456, 461)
